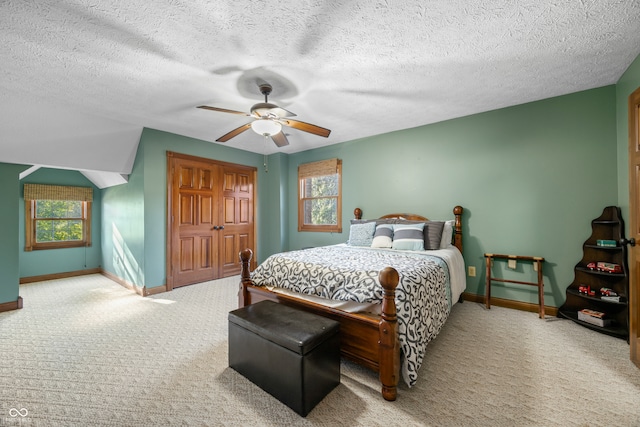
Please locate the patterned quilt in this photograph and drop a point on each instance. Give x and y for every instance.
(423, 295)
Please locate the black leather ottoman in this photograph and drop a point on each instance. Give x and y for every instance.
(291, 354)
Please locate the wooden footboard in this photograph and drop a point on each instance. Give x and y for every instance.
(371, 341)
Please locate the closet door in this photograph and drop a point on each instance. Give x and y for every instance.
(194, 220)
(210, 218)
(237, 217)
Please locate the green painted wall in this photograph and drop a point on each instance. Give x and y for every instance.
(9, 232)
(123, 226)
(36, 263)
(530, 177)
(628, 83)
(136, 211)
(275, 215)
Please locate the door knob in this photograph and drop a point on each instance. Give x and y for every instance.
(631, 241)
(222, 228)
(215, 227)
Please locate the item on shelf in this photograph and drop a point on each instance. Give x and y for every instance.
(586, 290)
(605, 267)
(607, 243)
(608, 267)
(608, 292)
(594, 317)
(594, 313)
(611, 298)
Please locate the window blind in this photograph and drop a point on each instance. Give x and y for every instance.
(321, 168)
(57, 192)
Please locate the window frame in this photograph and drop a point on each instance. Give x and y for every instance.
(31, 242)
(326, 228)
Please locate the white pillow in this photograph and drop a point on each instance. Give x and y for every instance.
(447, 234)
(383, 238)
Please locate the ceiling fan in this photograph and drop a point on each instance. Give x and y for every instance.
(269, 121)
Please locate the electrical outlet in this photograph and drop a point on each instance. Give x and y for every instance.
(472, 271)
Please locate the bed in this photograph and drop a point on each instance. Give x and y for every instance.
(390, 301)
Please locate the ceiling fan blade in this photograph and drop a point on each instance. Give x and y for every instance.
(280, 139)
(306, 127)
(267, 109)
(235, 132)
(281, 112)
(223, 110)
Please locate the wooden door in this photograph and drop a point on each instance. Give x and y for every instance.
(194, 215)
(211, 218)
(634, 207)
(237, 217)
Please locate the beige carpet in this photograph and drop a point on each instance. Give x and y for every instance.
(87, 352)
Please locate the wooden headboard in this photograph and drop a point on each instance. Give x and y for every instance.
(457, 226)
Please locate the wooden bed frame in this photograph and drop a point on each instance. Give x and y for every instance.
(369, 340)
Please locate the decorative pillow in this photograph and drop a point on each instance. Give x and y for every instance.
(385, 221)
(433, 234)
(409, 237)
(361, 234)
(383, 237)
(362, 221)
(447, 234)
(377, 221)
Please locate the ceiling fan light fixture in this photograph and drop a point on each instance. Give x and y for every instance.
(266, 127)
(269, 119)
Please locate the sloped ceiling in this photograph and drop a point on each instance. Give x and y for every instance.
(80, 79)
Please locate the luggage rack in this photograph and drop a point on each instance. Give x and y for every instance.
(537, 266)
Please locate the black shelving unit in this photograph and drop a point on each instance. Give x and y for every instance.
(608, 226)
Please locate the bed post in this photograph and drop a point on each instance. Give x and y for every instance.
(389, 345)
(245, 276)
(457, 228)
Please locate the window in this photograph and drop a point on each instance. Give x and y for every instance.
(320, 196)
(57, 216)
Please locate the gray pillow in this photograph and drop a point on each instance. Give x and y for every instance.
(408, 237)
(362, 221)
(433, 234)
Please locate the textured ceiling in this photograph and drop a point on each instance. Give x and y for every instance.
(80, 79)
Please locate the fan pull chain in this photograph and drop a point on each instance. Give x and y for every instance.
(266, 166)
